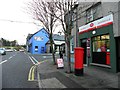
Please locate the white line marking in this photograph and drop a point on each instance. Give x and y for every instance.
(3, 61)
(14, 54)
(32, 60)
(35, 60)
(44, 56)
(10, 57)
(39, 81)
(24, 52)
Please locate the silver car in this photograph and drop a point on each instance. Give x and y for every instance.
(2, 51)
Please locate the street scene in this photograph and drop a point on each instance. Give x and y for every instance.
(59, 44)
(17, 72)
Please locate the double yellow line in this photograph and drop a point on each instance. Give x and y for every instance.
(32, 73)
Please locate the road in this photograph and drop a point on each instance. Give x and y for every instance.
(16, 69)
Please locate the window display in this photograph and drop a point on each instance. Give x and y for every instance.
(101, 48)
(101, 43)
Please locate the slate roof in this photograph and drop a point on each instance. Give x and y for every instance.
(30, 35)
(58, 37)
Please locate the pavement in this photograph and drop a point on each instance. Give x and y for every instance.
(51, 77)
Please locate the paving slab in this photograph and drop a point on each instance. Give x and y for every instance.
(52, 83)
(92, 78)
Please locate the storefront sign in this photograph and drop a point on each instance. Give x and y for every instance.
(38, 38)
(105, 21)
(88, 47)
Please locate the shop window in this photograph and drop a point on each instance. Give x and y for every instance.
(101, 44)
(101, 49)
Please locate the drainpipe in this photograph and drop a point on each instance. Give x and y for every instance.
(77, 30)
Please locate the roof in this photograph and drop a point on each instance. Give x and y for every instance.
(58, 37)
(59, 42)
(31, 35)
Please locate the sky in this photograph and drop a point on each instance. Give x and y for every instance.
(14, 10)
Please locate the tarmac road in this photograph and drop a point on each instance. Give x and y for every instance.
(15, 71)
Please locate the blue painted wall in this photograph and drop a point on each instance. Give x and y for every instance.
(38, 42)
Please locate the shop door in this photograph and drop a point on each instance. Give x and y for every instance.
(118, 54)
(84, 45)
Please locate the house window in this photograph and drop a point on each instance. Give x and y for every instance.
(93, 12)
(89, 15)
(36, 48)
(42, 49)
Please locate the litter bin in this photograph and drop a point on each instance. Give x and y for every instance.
(78, 54)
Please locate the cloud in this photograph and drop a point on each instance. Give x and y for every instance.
(11, 10)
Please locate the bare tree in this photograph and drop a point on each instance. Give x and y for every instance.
(65, 15)
(43, 11)
(48, 13)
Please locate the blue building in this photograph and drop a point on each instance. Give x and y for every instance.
(36, 43)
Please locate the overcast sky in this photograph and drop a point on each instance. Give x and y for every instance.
(14, 10)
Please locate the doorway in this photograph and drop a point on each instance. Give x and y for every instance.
(118, 53)
(84, 45)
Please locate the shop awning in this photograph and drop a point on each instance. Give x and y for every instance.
(59, 42)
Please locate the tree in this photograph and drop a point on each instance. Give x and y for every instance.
(5, 42)
(13, 43)
(43, 11)
(65, 17)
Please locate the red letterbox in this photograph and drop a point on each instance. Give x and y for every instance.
(78, 54)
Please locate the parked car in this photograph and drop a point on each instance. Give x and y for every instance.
(9, 50)
(21, 50)
(2, 51)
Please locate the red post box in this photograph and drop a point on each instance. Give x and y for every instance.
(79, 55)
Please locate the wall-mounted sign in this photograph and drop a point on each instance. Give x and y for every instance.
(105, 21)
(88, 47)
(38, 38)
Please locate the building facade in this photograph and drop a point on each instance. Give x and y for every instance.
(59, 44)
(36, 43)
(96, 29)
